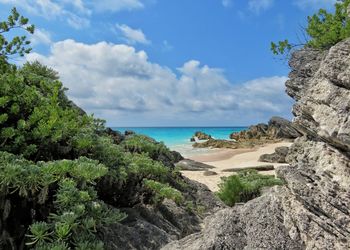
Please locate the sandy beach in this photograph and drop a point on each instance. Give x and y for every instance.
(231, 158)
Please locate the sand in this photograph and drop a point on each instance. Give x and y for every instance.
(231, 158)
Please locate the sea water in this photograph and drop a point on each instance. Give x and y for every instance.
(178, 138)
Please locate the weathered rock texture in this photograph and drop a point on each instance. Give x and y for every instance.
(312, 211)
(151, 227)
(277, 128)
(278, 156)
(200, 136)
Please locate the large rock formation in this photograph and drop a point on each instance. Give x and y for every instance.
(200, 136)
(278, 128)
(312, 211)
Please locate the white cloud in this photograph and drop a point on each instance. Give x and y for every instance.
(227, 3)
(41, 36)
(316, 4)
(260, 5)
(120, 84)
(59, 9)
(75, 12)
(132, 36)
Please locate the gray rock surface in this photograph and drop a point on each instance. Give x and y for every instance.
(279, 156)
(191, 165)
(312, 211)
(277, 128)
(151, 227)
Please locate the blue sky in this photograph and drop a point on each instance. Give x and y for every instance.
(169, 62)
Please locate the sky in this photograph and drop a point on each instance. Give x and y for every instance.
(169, 62)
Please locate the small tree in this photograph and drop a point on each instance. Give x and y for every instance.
(18, 44)
(324, 29)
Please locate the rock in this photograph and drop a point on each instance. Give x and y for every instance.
(129, 132)
(150, 227)
(212, 143)
(115, 135)
(244, 227)
(191, 165)
(277, 129)
(176, 156)
(312, 210)
(281, 128)
(200, 136)
(209, 173)
(258, 168)
(278, 157)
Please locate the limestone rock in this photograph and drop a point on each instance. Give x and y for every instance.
(278, 128)
(192, 165)
(279, 156)
(312, 211)
(200, 136)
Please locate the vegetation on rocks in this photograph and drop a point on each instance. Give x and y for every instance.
(244, 186)
(63, 175)
(323, 30)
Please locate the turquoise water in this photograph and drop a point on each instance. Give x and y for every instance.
(178, 138)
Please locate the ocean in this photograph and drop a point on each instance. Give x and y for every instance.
(178, 138)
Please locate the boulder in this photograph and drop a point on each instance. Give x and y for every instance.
(209, 173)
(191, 165)
(277, 129)
(200, 136)
(279, 156)
(213, 143)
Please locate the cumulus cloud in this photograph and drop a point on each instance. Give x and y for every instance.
(316, 4)
(122, 85)
(75, 12)
(132, 36)
(260, 5)
(60, 9)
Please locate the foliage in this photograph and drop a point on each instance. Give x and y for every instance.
(78, 211)
(163, 191)
(145, 167)
(18, 44)
(64, 202)
(324, 29)
(244, 186)
(144, 144)
(34, 120)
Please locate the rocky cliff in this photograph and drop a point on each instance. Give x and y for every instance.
(312, 211)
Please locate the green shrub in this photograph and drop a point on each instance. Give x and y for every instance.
(77, 212)
(144, 144)
(144, 167)
(244, 186)
(324, 30)
(162, 191)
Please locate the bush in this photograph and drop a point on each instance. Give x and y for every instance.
(144, 144)
(244, 186)
(163, 191)
(76, 212)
